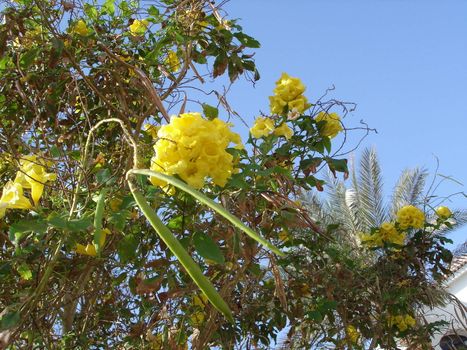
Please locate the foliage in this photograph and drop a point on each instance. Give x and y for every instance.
(94, 255)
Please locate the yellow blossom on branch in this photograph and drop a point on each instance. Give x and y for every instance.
(387, 233)
(288, 92)
(88, 249)
(410, 216)
(262, 127)
(443, 212)
(80, 28)
(172, 61)
(283, 130)
(13, 198)
(352, 333)
(33, 175)
(139, 27)
(195, 148)
(402, 322)
(332, 125)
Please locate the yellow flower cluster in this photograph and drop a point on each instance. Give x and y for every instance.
(139, 27)
(443, 212)
(80, 28)
(332, 125)
(265, 126)
(402, 322)
(352, 333)
(90, 249)
(387, 233)
(410, 216)
(288, 92)
(172, 61)
(195, 148)
(31, 175)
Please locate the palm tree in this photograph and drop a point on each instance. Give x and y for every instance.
(361, 205)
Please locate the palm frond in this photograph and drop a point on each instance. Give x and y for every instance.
(338, 209)
(409, 189)
(460, 218)
(370, 189)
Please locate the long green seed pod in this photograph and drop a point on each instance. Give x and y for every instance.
(98, 216)
(210, 203)
(181, 254)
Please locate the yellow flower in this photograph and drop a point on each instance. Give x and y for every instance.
(172, 61)
(200, 300)
(283, 130)
(262, 127)
(80, 28)
(410, 216)
(283, 236)
(13, 198)
(195, 148)
(289, 88)
(33, 175)
(89, 249)
(299, 105)
(332, 125)
(389, 234)
(402, 322)
(197, 318)
(276, 104)
(352, 333)
(139, 27)
(115, 204)
(443, 212)
(288, 92)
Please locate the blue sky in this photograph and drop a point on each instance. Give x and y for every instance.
(403, 62)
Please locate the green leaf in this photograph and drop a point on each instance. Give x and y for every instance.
(91, 11)
(81, 224)
(210, 112)
(207, 248)
(153, 11)
(119, 219)
(57, 221)
(220, 64)
(181, 254)
(210, 203)
(109, 7)
(247, 40)
(175, 223)
(338, 165)
(104, 177)
(28, 57)
(127, 248)
(25, 272)
(9, 320)
(19, 229)
(315, 316)
(4, 61)
(76, 225)
(58, 45)
(5, 268)
(327, 144)
(55, 151)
